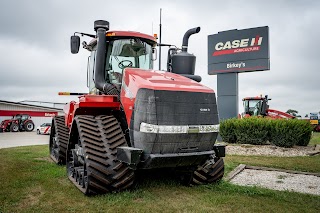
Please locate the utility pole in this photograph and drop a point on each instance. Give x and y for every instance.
(160, 40)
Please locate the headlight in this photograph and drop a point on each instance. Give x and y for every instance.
(170, 129)
(150, 128)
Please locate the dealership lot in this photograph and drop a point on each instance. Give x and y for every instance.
(13, 139)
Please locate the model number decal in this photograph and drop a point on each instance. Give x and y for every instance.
(204, 109)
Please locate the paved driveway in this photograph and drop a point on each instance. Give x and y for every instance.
(13, 139)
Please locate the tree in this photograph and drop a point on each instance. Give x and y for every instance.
(292, 112)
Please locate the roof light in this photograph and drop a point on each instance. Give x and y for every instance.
(155, 36)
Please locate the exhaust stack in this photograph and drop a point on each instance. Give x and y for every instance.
(186, 36)
(101, 27)
(184, 63)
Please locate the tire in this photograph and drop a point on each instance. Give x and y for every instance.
(29, 126)
(210, 172)
(92, 163)
(14, 127)
(38, 132)
(58, 140)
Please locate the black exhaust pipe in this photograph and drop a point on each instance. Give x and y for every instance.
(186, 38)
(184, 63)
(101, 27)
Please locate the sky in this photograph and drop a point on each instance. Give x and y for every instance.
(36, 62)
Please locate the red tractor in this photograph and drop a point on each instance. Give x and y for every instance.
(136, 118)
(258, 106)
(19, 122)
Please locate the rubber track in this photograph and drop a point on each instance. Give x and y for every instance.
(62, 133)
(99, 143)
(209, 172)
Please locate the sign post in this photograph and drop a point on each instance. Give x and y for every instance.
(232, 52)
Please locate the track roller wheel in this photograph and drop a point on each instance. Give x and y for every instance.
(211, 171)
(58, 141)
(92, 163)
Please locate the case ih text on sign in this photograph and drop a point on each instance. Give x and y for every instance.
(239, 51)
(238, 46)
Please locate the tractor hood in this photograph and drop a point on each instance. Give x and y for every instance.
(5, 122)
(168, 88)
(168, 113)
(160, 80)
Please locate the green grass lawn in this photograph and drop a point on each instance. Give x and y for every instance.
(32, 183)
(315, 139)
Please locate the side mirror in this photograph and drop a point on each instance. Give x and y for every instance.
(75, 44)
(154, 53)
(264, 107)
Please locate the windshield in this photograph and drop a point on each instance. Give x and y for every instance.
(125, 53)
(17, 117)
(252, 107)
(254, 103)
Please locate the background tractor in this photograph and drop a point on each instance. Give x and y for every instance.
(136, 118)
(19, 122)
(258, 106)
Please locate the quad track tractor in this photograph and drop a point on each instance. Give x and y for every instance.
(136, 118)
(258, 106)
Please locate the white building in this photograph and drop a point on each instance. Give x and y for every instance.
(39, 114)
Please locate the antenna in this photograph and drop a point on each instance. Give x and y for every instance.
(160, 40)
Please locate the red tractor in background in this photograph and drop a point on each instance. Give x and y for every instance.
(258, 106)
(136, 118)
(19, 122)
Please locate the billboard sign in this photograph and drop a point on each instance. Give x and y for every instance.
(236, 51)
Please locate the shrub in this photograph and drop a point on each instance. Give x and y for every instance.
(255, 130)
(282, 133)
(227, 130)
(287, 133)
(252, 130)
(305, 132)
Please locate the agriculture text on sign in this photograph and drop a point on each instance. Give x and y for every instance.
(239, 51)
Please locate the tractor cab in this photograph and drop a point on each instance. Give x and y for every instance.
(21, 117)
(116, 51)
(126, 52)
(254, 106)
(121, 52)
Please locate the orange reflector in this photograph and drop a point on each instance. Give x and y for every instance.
(64, 93)
(155, 36)
(111, 34)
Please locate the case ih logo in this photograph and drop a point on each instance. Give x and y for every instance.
(238, 46)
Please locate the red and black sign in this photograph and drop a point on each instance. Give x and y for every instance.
(239, 51)
(31, 113)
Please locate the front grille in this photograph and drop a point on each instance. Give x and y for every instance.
(161, 107)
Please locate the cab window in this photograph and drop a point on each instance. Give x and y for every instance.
(125, 53)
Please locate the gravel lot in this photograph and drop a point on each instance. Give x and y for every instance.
(13, 139)
(276, 180)
(270, 150)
